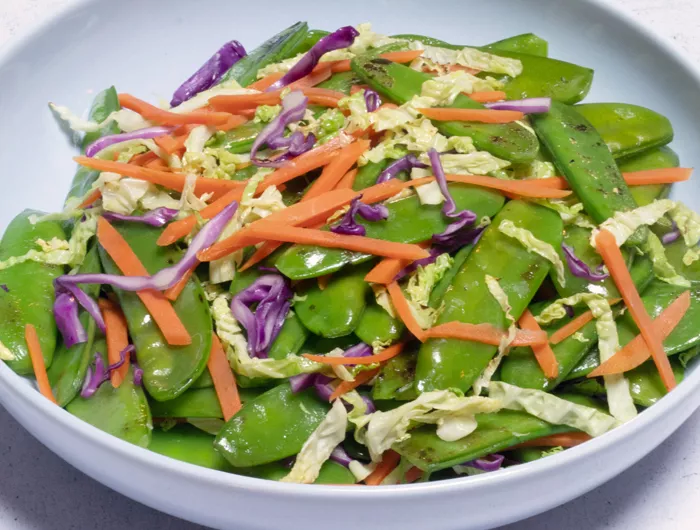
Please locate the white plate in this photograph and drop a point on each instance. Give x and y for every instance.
(148, 48)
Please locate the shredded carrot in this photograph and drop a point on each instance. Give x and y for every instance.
(413, 474)
(636, 351)
(169, 144)
(543, 352)
(158, 306)
(158, 165)
(183, 227)
(224, 380)
(164, 117)
(173, 181)
(346, 386)
(319, 74)
(403, 56)
(632, 178)
(313, 211)
(485, 333)
(476, 115)
(323, 281)
(488, 97)
(348, 180)
(386, 270)
(568, 439)
(307, 236)
(117, 334)
(244, 101)
(172, 293)
(390, 459)
(233, 122)
(143, 158)
(335, 171)
(384, 355)
(403, 309)
(91, 199)
(615, 262)
(37, 358)
(266, 82)
(571, 327)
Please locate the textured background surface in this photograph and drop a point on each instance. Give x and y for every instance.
(39, 491)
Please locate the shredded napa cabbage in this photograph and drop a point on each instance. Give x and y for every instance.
(580, 337)
(688, 222)
(623, 224)
(124, 195)
(361, 471)
(319, 446)
(228, 88)
(445, 88)
(453, 414)
(422, 281)
(552, 451)
(532, 244)
(663, 269)
(557, 309)
(6, 354)
(571, 214)
(551, 408)
(472, 58)
(266, 113)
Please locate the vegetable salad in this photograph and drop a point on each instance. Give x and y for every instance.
(351, 258)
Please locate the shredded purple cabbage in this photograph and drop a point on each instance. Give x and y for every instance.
(141, 134)
(578, 268)
(406, 163)
(263, 268)
(340, 456)
(322, 386)
(272, 296)
(372, 100)
(95, 377)
(348, 225)
(569, 311)
(671, 236)
(358, 350)
(4, 287)
(527, 106)
(301, 382)
(488, 463)
(138, 373)
(157, 218)
(210, 72)
(341, 38)
(65, 312)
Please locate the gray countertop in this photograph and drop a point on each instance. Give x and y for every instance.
(39, 491)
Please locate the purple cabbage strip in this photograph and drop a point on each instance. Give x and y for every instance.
(267, 269)
(372, 100)
(371, 407)
(340, 456)
(4, 287)
(157, 218)
(465, 219)
(95, 377)
(272, 296)
(301, 382)
(323, 389)
(488, 463)
(358, 350)
(141, 134)
(671, 236)
(578, 268)
(406, 163)
(210, 72)
(138, 374)
(65, 312)
(293, 110)
(527, 106)
(341, 38)
(348, 225)
(569, 311)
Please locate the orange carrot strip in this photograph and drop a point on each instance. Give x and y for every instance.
(384, 355)
(323, 101)
(224, 380)
(157, 305)
(632, 178)
(334, 172)
(322, 281)
(413, 474)
(615, 262)
(165, 117)
(173, 292)
(488, 96)
(386, 270)
(143, 158)
(402, 57)
(261, 253)
(234, 121)
(348, 180)
(636, 351)
(266, 82)
(117, 334)
(169, 144)
(346, 386)
(543, 352)
(307, 236)
(390, 459)
(476, 115)
(523, 188)
(37, 357)
(568, 439)
(571, 327)
(183, 227)
(244, 101)
(385, 190)
(91, 199)
(403, 309)
(173, 181)
(319, 74)
(158, 165)
(485, 333)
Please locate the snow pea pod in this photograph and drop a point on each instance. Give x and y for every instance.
(368, 174)
(396, 378)
(168, 370)
(203, 381)
(67, 371)
(376, 325)
(104, 104)
(330, 473)
(510, 141)
(188, 444)
(312, 37)
(443, 285)
(340, 82)
(238, 140)
(675, 252)
(336, 310)
(316, 344)
(277, 48)
(655, 158)
(409, 222)
(122, 412)
(271, 427)
(585, 161)
(197, 403)
(528, 43)
(451, 363)
(290, 339)
(627, 129)
(27, 291)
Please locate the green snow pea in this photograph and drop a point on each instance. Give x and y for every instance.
(627, 129)
(331, 473)
(290, 339)
(409, 222)
(655, 158)
(167, 370)
(438, 292)
(311, 38)
(104, 104)
(527, 43)
(238, 140)
(188, 444)
(27, 295)
(675, 252)
(510, 141)
(527, 454)
(203, 381)
(451, 363)
(541, 77)
(367, 175)
(281, 46)
(583, 158)
(376, 325)
(396, 378)
(271, 427)
(340, 82)
(122, 412)
(335, 311)
(67, 371)
(316, 344)
(196, 403)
